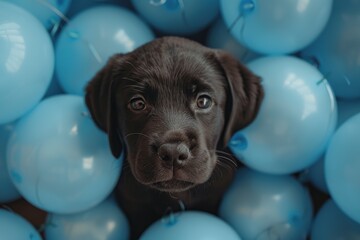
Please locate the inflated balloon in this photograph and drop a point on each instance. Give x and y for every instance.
(332, 223)
(264, 206)
(219, 37)
(8, 192)
(26, 61)
(342, 167)
(190, 225)
(316, 173)
(104, 221)
(277, 26)
(337, 50)
(88, 40)
(59, 160)
(49, 12)
(14, 227)
(78, 6)
(180, 17)
(296, 118)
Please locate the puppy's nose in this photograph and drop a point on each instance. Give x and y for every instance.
(174, 152)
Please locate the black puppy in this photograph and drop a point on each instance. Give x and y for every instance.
(173, 104)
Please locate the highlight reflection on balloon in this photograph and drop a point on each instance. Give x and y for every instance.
(59, 160)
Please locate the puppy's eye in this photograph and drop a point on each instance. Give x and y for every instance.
(137, 104)
(204, 101)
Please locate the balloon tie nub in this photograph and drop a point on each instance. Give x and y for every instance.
(170, 218)
(246, 7)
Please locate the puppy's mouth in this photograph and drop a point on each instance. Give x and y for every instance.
(172, 185)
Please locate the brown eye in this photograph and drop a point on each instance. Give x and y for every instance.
(204, 102)
(137, 104)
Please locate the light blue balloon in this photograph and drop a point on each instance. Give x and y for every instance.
(59, 160)
(14, 227)
(8, 191)
(180, 17)
(264, 206)
(48, 12)
(219, 37)
(190, 225)
(332, 223)
(276, 26)
(296, 119)
(337, 50)
(89, 39)
(104, 221)
(78, 6)
(342, 167)
(346, 109)
(26, 62)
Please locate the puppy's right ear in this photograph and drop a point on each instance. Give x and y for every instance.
(99, 98)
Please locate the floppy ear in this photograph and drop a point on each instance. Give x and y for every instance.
(244, 95)
(99, 98)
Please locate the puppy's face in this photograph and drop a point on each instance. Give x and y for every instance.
(168, 104)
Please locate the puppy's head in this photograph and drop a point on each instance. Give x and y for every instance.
(171, 103)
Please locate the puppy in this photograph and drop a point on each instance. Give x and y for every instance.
(171, 106)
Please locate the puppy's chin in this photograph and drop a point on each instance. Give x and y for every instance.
(172, 186)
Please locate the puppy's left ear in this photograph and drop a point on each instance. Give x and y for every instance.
(99, 99)
(244, 94)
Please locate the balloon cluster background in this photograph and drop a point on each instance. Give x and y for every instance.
(301, 155)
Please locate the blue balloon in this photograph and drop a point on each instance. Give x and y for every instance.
(264, 206)
(346, 109)
(26, 62)
(190, 225)
(104, 221)
(14, 227)
(276, 26)
(337, 50)
(342, 167)
(48, 12)
(180, 17)
(89, 39)
(296, 118)
(332, 223)
(59, 160)
(8, 191)
(219, 37)
(78, 6)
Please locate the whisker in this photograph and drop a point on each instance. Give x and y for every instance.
(228, 158)
(135, 133)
